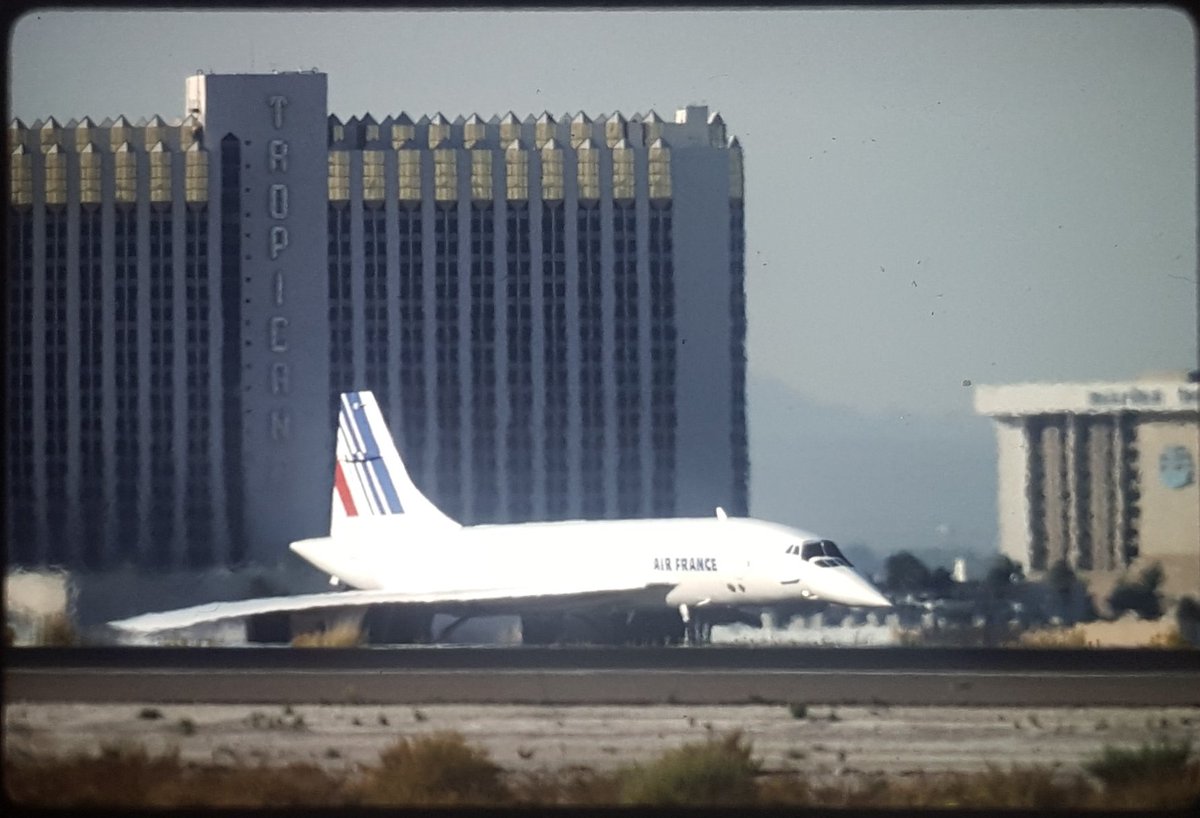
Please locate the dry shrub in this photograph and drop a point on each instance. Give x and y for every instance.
(58, 631)
(128, 776)
(1037, 788)
(1055, 638)
(442, 769)
(294, 785)
(1170, 640)
(439, 768)
(1020, 787)
(340, 635)
(1159, 760)
(787, 788)
(121, 775)
(714, 772)
(1159, 791)
(1032, 788)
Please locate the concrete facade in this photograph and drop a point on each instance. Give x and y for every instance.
(1103, 475)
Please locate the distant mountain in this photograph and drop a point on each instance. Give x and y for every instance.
(879, 483)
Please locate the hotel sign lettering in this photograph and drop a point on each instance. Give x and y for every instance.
(1134, 397)
(277, 244)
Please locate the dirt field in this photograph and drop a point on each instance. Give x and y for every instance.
(824, 741)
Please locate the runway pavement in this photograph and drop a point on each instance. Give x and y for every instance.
(871, 676)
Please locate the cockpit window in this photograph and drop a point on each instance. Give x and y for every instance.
(831, 550)
(821, 552)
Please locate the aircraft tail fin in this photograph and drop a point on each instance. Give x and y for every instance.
(369, 477)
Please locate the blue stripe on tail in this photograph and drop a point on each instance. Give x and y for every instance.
(384, 480)
(366, 438)
(365, 458)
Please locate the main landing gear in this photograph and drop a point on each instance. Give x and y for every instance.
(696, 627)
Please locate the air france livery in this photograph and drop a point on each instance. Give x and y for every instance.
(388, 544)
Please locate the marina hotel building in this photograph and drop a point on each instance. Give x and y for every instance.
(550, 310)
(1100, 475)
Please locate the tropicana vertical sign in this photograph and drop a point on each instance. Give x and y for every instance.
(277, 243)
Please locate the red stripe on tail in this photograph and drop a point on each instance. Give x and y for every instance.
(343, 490)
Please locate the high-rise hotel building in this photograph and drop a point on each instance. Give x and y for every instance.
(551, 311)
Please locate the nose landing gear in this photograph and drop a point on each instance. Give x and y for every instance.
(697, 628)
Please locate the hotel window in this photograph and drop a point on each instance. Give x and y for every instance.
(519, 337)
(375, 302)
(554, 358)
(91, 386)
(198, 490)
(19, 455)
(341, 306)
(625, 361)
(412, 415)
(588, 171)
(662, 360)
(591, 360)
(126, 513)
(54, 338)
(516, 172)
(162, 394)
(445, 175)
(483, 364)
(231, 348)
(446, 358)
(739, 438)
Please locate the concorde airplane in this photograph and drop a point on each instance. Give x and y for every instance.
(389, 545)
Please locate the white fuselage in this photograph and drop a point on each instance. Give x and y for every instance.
(713, 560)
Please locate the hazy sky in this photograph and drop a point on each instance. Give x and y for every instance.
(932, 196)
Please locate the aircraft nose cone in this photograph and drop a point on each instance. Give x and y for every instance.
(871, 598)
(857, 591)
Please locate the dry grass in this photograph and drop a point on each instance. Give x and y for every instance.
(1091, 636)
(340, 635)
(1119, 766)
(573, 786)
(1035, 788)
(55, 630)
(719, 771)
(1157, 775)
(1054, 638)
(1158, 792)
(1170, 640)
(127, 776)
(443, 769)
(58, 631)
(440, 768)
